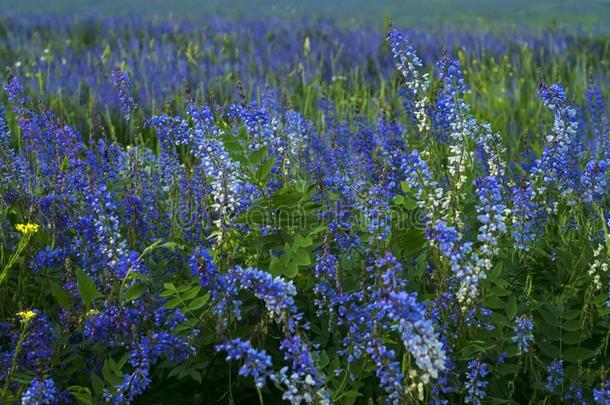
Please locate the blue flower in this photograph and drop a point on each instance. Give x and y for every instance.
(576, 395)
(14, 89)
(416, 82)
(523, 333)
(554, 379)
(476, 382)
(557, 164)
(526, 217)
(121, 82)
(40, 392)
(256, 363)
(601, 395)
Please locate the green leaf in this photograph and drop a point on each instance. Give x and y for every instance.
(550, 331)
(195, 375)
(549, 350)
(499, 319)
(571, 314)
(303, 241)
(351, 394)
(167, 293)
(549, 317)
(134, 292)
(573, 338)
(511, 308)
(576, 354)
(97, 383)
(112, 375)
(134, 275)
(152, 246)
(295, 255)
(499, 291)
(258, 155)
(173, 303)
(199, 302)
(275, 266)
(172, 246)
(183, 288)
(64, 164)
(81, 394)
(291, 270)
(61, 295)
(473, 348)
(410, 240)
(86, 288)
(158, 244)
(323, 359)
(410, 204)
(301, 257)
(505, 369)
(235, 143)
(242, 132)
(494, 302)
(573, 325)
(264, 170)
(24, 378)
(495, 273)
(191, 293)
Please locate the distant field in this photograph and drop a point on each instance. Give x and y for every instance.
(482, 13)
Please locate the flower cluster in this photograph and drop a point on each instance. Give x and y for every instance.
(469, 263)
(456, 114)
(556, 165)
(555, 377)
(27, 228)
(601, 394)
(599, 267)
(256, 363)
(523, 333)
(121, 82)
(476, 382)
(40, 392)
(417, 83)
(26, 316)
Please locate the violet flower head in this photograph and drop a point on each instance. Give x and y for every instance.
(122, 85)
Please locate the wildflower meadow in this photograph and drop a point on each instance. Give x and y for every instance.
(243, 211)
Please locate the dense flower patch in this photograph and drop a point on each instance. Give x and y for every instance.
(243, 251)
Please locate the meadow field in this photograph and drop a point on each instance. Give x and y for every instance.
(275, 206)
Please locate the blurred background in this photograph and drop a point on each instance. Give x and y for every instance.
(488, 14)
(302, 52)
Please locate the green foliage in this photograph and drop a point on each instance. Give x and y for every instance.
(87, 289)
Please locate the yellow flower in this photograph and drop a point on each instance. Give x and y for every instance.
(27, 228)
(26, 316)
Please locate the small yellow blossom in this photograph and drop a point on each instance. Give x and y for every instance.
(93, 312)
(26, 316)
(27, 228)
